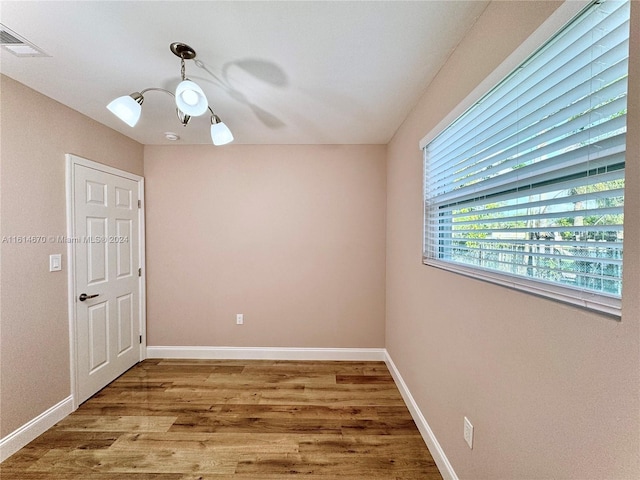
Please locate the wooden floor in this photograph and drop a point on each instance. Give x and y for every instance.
(202, 419)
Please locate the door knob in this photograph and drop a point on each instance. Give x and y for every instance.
(84, 296)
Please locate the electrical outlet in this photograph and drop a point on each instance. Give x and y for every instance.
(468, 432)
(239, 319)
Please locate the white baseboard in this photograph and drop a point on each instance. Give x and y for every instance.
(34, 428)
(446, 470)
(268, 353)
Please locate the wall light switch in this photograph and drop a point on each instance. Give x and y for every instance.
(55, 262)
(239, 319)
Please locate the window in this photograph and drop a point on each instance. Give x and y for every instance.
(526, 188)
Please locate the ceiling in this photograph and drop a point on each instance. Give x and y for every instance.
(307, 72)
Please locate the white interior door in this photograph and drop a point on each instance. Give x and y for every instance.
(107, 290)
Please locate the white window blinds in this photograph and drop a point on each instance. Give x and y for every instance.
(527, 187)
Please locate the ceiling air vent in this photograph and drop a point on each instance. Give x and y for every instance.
(14, 43)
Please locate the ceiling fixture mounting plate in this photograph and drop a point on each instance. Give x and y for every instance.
(183, 51)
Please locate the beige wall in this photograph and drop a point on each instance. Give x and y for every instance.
(34, 326)
(551, 390)
(291, 236)
(294, 238)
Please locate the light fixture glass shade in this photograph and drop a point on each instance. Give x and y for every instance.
(127, 108)
(190, 98)
(220, 134)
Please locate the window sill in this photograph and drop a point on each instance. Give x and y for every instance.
(609, 305)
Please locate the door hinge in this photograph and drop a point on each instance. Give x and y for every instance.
(139, 203)
(140, 339)
(140, 272)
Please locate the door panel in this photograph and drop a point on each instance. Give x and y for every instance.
(97, 253)
(125, 323)
(106, 238)
(96, 193)
(123, 198)
(124, 255)
(98, 338)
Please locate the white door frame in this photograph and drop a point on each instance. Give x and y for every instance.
(71, 162)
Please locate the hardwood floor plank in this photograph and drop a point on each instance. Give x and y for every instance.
(205, 443)
(392, 446)
(365, 379)
(160, 460)
(283, 378)
(336, 368)
(296, 411)
(331, 397)
(336, 465)
(256, 425)
(396, 426)
(85, 440)
(176, 396)
(147, 409)
(116, 423)
(234, 420)
(341, 476)
(7, 475)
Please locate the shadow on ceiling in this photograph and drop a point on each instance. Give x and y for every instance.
(262, 70)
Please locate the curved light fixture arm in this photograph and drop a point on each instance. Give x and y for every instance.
(183, 117)
(142, 92)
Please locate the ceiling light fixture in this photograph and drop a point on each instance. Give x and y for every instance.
(189, 97)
